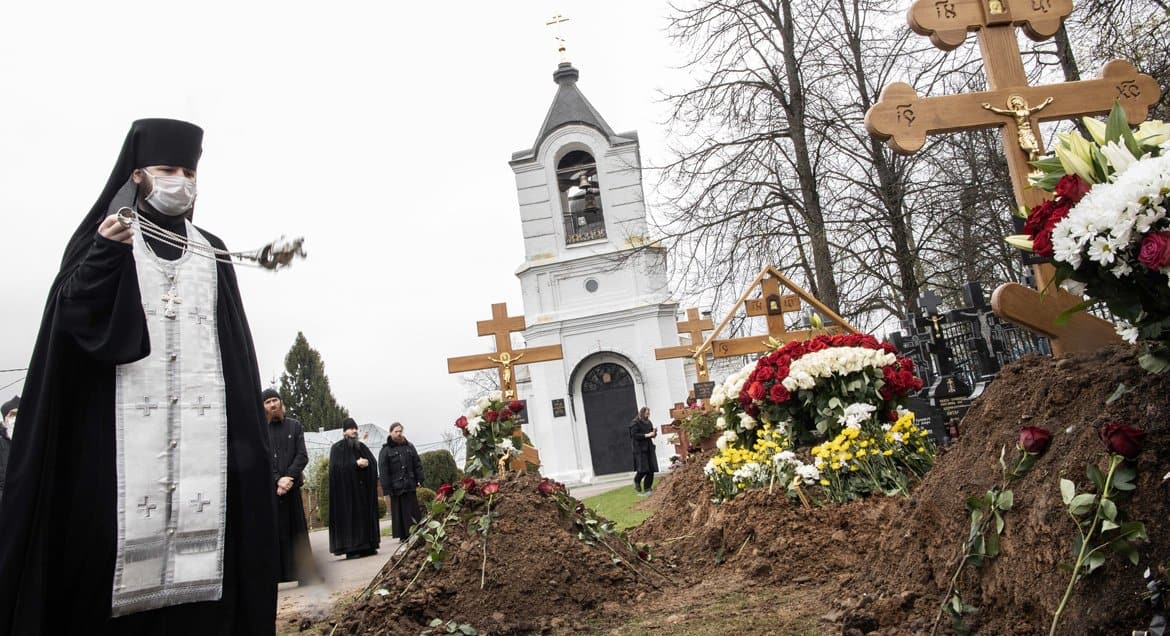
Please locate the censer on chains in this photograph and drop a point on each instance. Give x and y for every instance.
(275, 255)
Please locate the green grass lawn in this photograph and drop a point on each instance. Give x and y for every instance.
(618, 507)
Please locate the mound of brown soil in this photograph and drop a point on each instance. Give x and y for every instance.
(540, 575)
(883, 565)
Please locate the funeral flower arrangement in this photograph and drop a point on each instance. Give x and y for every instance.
(1106, 228)
(844, 394)
(490, 428)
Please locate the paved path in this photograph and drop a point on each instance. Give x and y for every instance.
(342, 576)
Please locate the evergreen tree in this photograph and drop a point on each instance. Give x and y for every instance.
(304, 388)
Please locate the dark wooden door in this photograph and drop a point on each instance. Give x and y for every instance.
(607, 393)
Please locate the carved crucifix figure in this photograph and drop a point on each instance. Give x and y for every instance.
(694, 327)
(1019, 111)
(903, 120)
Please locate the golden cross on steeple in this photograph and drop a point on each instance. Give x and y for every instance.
(556, 22)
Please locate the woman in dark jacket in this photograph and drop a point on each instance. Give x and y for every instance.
(401, 473)
(642, 436)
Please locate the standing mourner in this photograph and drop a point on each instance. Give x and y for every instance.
(642, 436)
(289, 458)
(353, 496)
(401, 474)
(139, 497)
(7, 424)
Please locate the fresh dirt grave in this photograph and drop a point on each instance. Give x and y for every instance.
(762, 562)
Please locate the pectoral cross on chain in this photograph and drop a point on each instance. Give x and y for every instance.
(171, 298)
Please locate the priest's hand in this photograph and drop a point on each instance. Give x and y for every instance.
(111, 228)
(281, 490)
(283, 485)
(362, 462)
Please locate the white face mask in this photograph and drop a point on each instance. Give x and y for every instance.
(171, 195)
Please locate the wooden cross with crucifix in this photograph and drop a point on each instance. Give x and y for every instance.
(694, 327)
(903, 120)
(502, 326)
(505, 359)
(772, 305)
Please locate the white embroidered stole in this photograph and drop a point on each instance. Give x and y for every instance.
(171, 423)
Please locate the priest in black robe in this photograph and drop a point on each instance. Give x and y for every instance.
(289, 456)
(353, 496)
(107, 486)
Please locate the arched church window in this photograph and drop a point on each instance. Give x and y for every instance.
(606, 376)
(580, 197)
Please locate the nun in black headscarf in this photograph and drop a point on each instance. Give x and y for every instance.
(90, 546)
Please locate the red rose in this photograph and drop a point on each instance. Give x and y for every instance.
(444, 490)
(756, 391)
(490, 488)
(505, 414)
(491, 416)
(778, 393)
(1072, 188)
(515, 406)
(765, 373)
(1155, 252)
(818, 344)
(547, 487)
(1041, 220)
(468, 484)
(1034, 439)
(891, 416)
(461, 423)
(1123, 439)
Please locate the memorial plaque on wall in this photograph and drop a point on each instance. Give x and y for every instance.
(703, 390)
(522, 417)
(558, 407)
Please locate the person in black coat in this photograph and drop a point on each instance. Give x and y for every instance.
(353, 496)
(401, 474)
(7, 422)
(642, 436)
(289, 458)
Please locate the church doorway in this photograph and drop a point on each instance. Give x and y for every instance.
(607, 393)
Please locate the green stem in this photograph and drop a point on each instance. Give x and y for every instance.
(483, 566)
(980, 529)
(1114, 462)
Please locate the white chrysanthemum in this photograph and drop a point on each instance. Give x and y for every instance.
(496, 396)
(746, 421)
(482, 403)
(1121, 268)
(855, 414)
(506, 445)
(473, 424)
(810, 474)
(721, 423)
(1112, 218)
(1128, 332)
(710, 468)
(721, 443)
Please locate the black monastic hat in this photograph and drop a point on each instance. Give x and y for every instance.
(268, 393)
(150, 142)
(348, 423)
(14, 403)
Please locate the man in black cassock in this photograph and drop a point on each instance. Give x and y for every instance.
(139, 497)
(289, 457)
(7, 423)
(353, 496)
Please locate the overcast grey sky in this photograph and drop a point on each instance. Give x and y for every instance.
(380, 131)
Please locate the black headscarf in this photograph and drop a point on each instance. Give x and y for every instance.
(150, 142)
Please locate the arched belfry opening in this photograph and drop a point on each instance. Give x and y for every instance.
(580, 192)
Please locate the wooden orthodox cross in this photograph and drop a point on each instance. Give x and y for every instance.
(903, 120)
(772, 305)
(694, 327)
(505, 359)
(681, 447)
